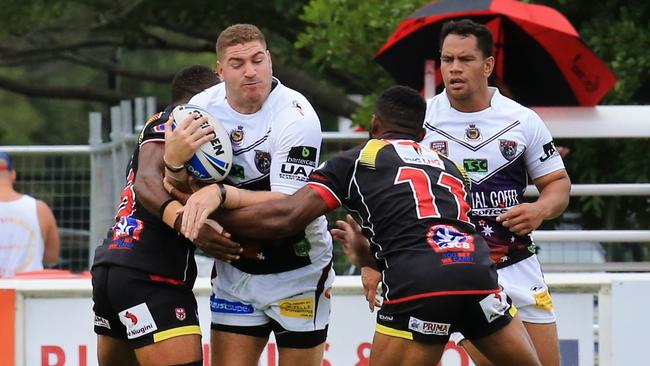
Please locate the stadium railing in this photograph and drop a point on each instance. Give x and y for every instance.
(82, 183)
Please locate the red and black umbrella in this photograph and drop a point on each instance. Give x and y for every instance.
(539, 55)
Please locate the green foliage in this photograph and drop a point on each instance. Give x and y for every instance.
(345, 34)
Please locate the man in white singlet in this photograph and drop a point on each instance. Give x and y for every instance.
(28, 234)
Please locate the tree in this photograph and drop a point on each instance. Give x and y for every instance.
(107, 51)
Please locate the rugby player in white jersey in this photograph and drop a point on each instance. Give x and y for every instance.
(282, 287)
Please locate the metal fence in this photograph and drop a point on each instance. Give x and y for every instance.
(82, 185)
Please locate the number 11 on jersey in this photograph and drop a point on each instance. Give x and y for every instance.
(425, 201)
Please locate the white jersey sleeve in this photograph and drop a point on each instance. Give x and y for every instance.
(541, 156)
(295, 141)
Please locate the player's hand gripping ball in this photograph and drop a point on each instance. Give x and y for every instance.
(213, 160)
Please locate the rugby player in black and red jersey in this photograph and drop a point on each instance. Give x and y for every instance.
(143, 273)
(413, 208)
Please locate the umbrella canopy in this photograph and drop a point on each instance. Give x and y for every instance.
(539, 55)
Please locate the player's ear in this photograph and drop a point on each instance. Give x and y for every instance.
(375, 126)
(219, 69)
(488, 66)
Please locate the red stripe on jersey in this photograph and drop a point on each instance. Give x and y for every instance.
(326, 194)
(165, 279)
(442, 293)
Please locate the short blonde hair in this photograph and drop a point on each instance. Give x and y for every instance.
(238, 34)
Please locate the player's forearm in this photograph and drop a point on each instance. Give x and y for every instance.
(237, 197)
(279, 218)
(554, 197)
(260, 221)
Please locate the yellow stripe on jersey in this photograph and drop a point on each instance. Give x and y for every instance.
(175, 332)
(368, 155)
(154, 117)
(468, 181)
(394, 332)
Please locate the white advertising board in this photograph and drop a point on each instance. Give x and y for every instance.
(58, 332)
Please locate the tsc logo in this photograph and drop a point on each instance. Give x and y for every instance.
(425, 327)
(475, 165)
(446, 238)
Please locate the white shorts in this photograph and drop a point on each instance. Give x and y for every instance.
(524, 283)
(298, 300)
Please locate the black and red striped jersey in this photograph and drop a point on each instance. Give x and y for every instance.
(140, 239)
(413, 207)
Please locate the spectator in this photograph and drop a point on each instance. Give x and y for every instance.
(28, 235)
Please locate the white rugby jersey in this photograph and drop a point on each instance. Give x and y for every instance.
(21, 242)
(499, 147)
(275, 148)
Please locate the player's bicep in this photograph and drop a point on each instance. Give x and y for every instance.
(148, 183)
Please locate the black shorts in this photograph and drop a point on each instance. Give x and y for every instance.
(432, 319)
(283, 338)
(142, 308)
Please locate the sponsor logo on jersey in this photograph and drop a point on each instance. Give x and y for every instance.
(543, 300)
(294, 172)
(489, 211)
(137, 320)
(475, 165)
(102, 322)
(237, 135)
(440, 147)
(494, 305)
(446, 238)
(180, 313)
(457, 258)
(302, 155)
(302, 248)
(125, 231)
(387, 318)
(237, 171)
(472, 133)
(297, 308)
(508, 149)
(218, 305)
(297, 105)
(549, 151)
(431, 328)
(413, 153)
(503, 199)
(262, 161)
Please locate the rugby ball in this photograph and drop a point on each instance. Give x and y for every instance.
(212, 161)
